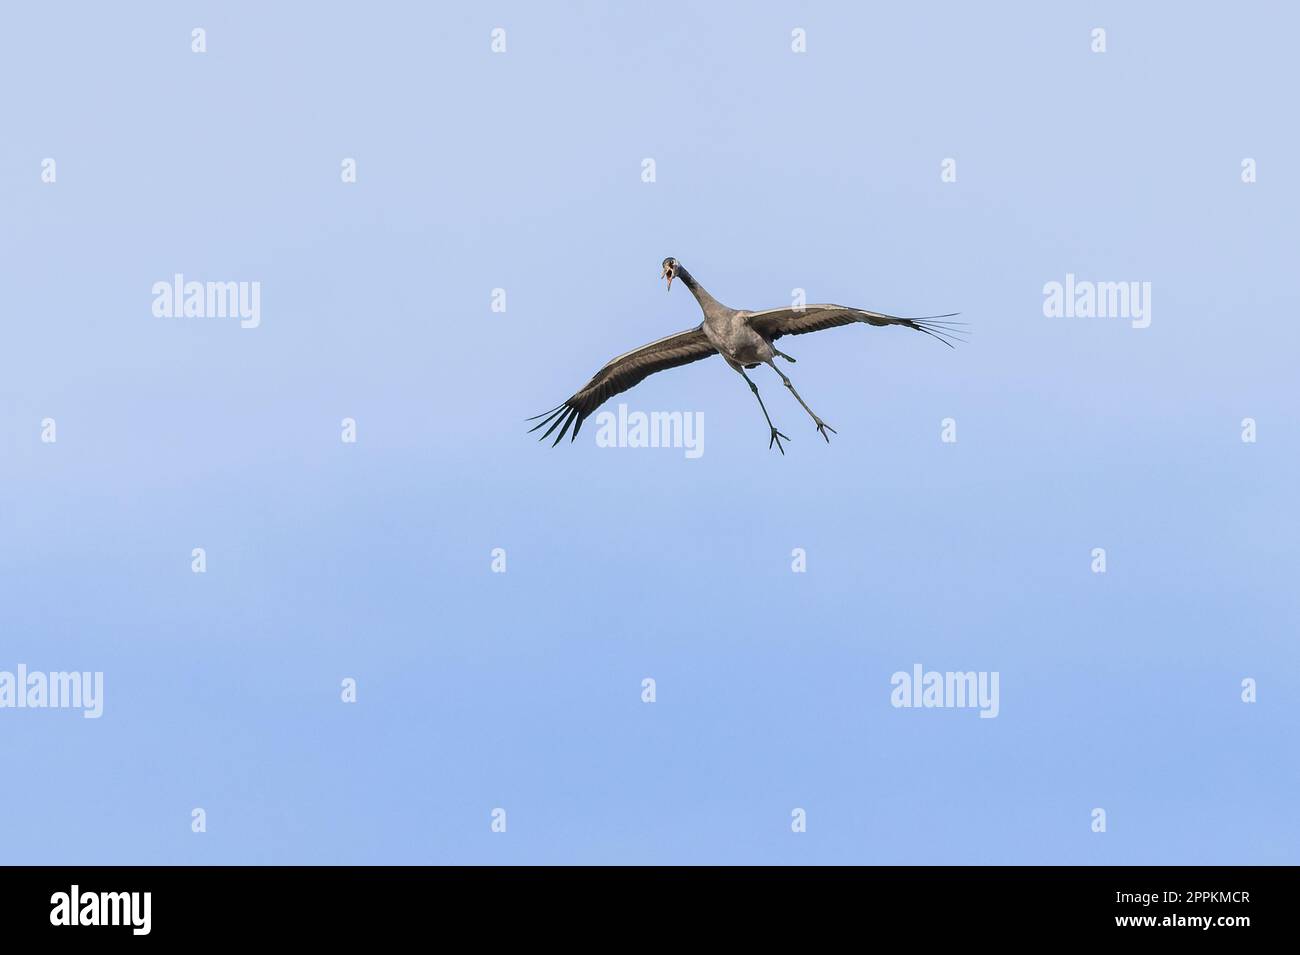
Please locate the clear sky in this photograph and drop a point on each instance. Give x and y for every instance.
(523, 170)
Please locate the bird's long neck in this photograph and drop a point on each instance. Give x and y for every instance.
(698, 290)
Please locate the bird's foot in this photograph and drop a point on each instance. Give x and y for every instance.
(823, 427)
(776, 437)
(785, 356)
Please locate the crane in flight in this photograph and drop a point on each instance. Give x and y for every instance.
(743, 339)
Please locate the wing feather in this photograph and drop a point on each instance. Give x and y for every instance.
(621, 373)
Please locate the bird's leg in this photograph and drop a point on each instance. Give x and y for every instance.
(783, 355)
(776, 435)
(822, 426)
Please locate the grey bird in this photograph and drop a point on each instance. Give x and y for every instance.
(743, 339)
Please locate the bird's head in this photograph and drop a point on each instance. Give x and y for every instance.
(670, 271)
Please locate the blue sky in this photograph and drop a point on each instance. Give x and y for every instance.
(522, 690)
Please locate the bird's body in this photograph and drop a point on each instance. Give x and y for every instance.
(744, 340)
(736, 341)
(726, 328)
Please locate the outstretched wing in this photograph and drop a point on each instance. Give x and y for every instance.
(620, 374)
(775, 322)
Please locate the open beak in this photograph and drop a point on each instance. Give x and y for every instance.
(668, 274)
